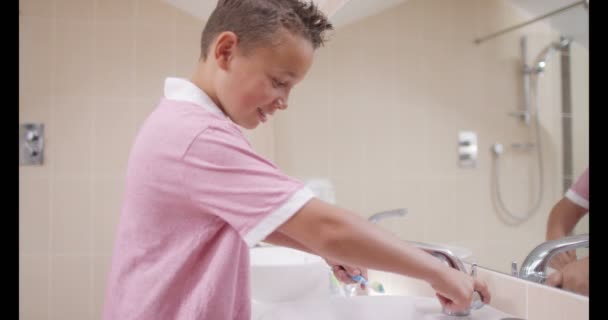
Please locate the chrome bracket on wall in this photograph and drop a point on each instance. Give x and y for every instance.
(31, 143)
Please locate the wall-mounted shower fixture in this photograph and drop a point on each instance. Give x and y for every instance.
(526, 71)
(527, 146)
(536, 69)
(543, 58)
(531, 75)
(31, 144)
(498, 148)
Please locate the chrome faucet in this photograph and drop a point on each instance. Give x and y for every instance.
(376, 217)
(441, 253)
(534, 267)
(447, 256)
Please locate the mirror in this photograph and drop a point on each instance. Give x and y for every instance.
(380, 113)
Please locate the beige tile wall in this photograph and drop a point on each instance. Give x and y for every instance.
(380, 110)
(90, 70)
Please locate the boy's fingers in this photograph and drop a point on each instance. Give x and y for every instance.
(344, 273)
(352, 271)
(342, 276)
(443, 300)
(555, 279)
(483, 290)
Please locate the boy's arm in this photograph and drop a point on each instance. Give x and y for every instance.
(279, 239)
(347, 238)
(341, 272)
(564, 216)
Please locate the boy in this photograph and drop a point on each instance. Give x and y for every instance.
(197, 196)
(570, 273)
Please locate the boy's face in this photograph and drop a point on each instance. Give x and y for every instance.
(253, 86)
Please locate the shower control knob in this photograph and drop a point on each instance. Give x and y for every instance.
(32, 136)
(467, 149)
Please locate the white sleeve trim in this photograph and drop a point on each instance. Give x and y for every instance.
(577, 199)
(279, 216)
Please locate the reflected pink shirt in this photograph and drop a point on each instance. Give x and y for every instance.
(579, 191)
(197, 197)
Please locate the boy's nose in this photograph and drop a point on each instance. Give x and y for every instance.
(280, 104)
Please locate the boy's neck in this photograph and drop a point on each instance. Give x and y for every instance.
(203, 78)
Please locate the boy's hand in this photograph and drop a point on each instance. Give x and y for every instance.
(562, 259)
(455, 290)
(573, 277)
(343, 272)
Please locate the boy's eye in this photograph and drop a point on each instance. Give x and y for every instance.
(278, 84)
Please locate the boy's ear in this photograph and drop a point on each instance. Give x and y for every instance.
(225, 48)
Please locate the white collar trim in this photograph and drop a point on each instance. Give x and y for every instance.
(183, 90)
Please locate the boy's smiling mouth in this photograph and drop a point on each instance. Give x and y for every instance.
(263, 115)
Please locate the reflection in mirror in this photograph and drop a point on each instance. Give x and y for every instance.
(573, 275)
(380, 111)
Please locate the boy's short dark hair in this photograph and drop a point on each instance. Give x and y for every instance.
(255, 22)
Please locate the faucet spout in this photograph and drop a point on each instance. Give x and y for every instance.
(441, 253)
(534, 267)
(447, 256)
(376, 217)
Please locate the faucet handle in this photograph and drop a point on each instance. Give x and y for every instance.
(477, 302)
(514, 269)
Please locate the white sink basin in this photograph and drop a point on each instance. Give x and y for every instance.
(366, 308)
(282, 274)
(294, 285)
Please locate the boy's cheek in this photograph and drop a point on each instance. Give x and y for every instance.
(252, 101)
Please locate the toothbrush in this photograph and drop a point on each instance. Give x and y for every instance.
(376, 286)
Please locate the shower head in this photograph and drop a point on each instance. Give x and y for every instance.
(546, 54)
(563, 43)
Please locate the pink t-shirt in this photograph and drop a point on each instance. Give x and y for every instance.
(579, 191)
(197, 197)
